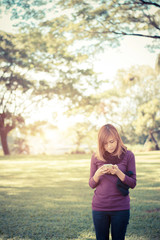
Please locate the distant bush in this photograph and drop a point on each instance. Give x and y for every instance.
(149, 146)
(135, 147)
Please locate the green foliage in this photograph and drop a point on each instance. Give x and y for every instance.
(148, 117)
(32, 51)
(16, 87)
(103, 21)
(26, 9)
(106, 21)
(52, 43)
(140, 95)
(13, 58)
(49, 198)
(59, 44)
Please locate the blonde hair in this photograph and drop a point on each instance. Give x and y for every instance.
(104, 132)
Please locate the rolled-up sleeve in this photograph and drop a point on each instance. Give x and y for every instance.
(131, 181)
(93, 169)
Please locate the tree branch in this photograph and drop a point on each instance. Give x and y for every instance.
(127, 34)
(156, 131)
(152, 21)
(7, 101)
(137, 35)
(150, 3)
(9, 127)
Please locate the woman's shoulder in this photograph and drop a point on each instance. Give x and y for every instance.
(129, 154)
(95, 157)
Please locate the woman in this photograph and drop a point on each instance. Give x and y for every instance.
(112, 173)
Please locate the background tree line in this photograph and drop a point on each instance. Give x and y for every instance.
(57, 39)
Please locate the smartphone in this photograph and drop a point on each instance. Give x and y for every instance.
(108, 165)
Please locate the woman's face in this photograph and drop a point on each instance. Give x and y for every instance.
(111, 144)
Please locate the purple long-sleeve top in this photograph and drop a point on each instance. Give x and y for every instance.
(107, 197)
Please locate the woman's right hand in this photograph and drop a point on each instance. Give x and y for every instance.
(100, 171)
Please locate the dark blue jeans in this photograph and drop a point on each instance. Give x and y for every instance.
(118, 220)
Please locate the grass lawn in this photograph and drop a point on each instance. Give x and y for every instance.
(48, 197)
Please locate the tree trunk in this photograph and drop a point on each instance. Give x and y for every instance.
(4, 142)
(154, 140)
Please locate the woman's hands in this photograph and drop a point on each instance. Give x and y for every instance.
(110, 169)
(116, 171)
(113, 170)
(100, 171)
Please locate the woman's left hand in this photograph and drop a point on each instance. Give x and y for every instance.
(116, 171)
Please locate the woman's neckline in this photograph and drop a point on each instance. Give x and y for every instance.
(113, 163)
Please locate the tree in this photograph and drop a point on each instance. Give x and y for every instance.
(26, 10)
(99, 21)
(30, 52)
(12, 83)
(103, 21)
(138, 89)
(109, 21)
(148, 120)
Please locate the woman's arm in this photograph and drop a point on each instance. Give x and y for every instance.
(95, 173)
(130, 181)
(93, 169)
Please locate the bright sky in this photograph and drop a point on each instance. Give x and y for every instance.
(132, 51)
